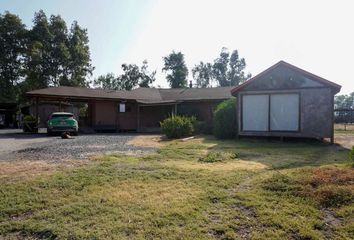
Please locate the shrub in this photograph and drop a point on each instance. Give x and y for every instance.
(178, 126)
(281, 183)
(30, 124)
(225, 119)
(332, 195)
(29, 118)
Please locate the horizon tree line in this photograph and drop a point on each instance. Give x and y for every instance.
(52, 54)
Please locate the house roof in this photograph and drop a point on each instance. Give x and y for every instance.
(307, 74)
(141, 95)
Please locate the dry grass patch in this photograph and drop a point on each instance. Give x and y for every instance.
(153, 195)
(24, 170)
(217, 166)
(152, 141)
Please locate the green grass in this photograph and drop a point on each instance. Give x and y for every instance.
(173, 194)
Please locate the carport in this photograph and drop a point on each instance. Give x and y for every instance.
(140, 109)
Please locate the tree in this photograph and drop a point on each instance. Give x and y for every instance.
(236, 74)
(229, 70)
(177, 70)
(133, 76)
(344, 101)
(55, 56)
(107, 82)
(12, 39)
(130, 78)
(146, 78)
(38, 59)
(79, 66)
(203, 74)
(220, 68)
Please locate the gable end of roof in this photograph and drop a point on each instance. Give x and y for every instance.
(312, 76)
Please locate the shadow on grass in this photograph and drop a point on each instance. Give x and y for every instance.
(276, 154)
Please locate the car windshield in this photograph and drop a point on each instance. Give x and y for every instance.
(62, 116)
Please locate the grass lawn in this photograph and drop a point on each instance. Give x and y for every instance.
(198, 189)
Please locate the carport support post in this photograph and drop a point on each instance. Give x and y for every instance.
(138, 119)
(37, 112)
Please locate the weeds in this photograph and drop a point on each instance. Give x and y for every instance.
(187, 190)
(218, 157)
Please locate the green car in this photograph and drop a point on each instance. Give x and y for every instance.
(60, 122)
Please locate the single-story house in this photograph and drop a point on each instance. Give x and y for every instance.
(282, 101)
(140, 109)
(286, 101)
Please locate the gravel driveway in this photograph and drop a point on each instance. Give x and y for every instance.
(18, 146)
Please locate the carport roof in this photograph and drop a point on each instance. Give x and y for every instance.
(141, 95)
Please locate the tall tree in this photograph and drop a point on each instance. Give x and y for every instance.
(38, 64)
(130, 78)
(107, 82)
(177, 70)
(236, 74)
(203, 74)
(146, 78)
(57, 57)
(228, 70)
(80, 61)
(12, 39)
(220, 68)
(133, 76)
(59, 53)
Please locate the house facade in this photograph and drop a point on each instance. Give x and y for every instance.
(286, 101)
(140, 110)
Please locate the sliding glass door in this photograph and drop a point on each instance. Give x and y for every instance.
(271, 112)
(284, 112)
(255, 112)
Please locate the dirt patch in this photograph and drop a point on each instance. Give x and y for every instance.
(345, 140)
(18, 236)
(150, 141)
(331, 221)
(218, 166)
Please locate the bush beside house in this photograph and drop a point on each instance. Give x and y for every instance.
(224, 123)
(179, 126)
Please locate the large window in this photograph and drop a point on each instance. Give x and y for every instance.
(255, 112)
(270, 112)
(284, 112)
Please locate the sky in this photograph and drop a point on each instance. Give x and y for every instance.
(316, 35)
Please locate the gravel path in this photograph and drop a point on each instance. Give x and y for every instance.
(16, 146)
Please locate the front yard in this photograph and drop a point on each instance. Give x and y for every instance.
(198, 189)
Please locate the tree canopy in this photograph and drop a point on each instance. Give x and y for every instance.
(48, 54)
(344, 101)
(12, 40)
(132, 77)
(227, 70)
(177, 70)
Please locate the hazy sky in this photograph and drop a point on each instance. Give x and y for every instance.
(317, 36)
